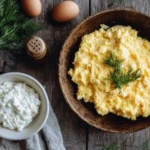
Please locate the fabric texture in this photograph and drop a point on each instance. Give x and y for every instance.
(52, 135)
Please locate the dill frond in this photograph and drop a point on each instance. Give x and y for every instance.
(145, 145)
(111, 147)
(119, 77)
(113, 61)
(15, 27)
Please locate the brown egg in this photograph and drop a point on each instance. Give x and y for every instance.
(65, 11)
(32, 7)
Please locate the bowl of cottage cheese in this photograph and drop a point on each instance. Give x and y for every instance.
(24, 106)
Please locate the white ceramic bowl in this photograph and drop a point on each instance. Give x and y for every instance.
(39, 121)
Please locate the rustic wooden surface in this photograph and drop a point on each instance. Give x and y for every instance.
(77, 134)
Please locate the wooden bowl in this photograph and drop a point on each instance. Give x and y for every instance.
(86, 112)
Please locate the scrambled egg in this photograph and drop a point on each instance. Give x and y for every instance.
(90, 73)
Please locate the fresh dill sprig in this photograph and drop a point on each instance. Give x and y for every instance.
(122, 78)
(111, 147)
(113, 62)
(118, 76)
(15, 27)
(115, 146)
(145, 145)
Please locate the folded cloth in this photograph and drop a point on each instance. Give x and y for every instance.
(52, 135)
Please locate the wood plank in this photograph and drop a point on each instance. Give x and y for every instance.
(99, 138)
(73, 129)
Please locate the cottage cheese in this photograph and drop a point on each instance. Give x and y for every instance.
(19, 104)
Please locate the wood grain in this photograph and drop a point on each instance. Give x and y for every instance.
(75, 132)
(73, 129)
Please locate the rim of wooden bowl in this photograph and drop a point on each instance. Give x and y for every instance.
(62, 65)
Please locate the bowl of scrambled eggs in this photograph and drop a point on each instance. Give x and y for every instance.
(104, 70)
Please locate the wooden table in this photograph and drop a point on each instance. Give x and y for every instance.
(77, 134)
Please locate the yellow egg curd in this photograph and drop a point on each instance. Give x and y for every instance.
(90, 73)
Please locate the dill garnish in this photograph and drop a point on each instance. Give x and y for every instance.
(111, 147)
(15, 27)
(145, 145)
(115, 146)
(118, 76)
(113, 62)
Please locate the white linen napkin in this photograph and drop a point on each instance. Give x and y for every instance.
(52, 135)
